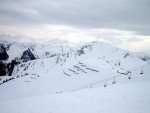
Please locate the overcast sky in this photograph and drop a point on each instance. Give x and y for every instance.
(124, 23)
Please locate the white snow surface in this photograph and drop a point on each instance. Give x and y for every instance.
(130, 97)
(72, 83)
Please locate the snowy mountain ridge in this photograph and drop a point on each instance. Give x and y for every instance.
(40, 60)
(57, 72)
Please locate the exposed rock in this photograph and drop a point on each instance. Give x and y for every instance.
(3, 53)
(146, 58)
(7, 68)
(80, 52)
(27, 55)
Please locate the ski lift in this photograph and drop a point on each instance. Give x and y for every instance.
(129, 77)
(105, 85)
(141, 71)
(114, 81)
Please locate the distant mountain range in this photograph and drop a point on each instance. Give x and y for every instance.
(143, 56)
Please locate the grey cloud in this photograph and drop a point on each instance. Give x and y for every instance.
(131, 15)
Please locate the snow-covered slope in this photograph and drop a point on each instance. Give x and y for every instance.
(15, 49)
(125, 96)
(72, 69)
